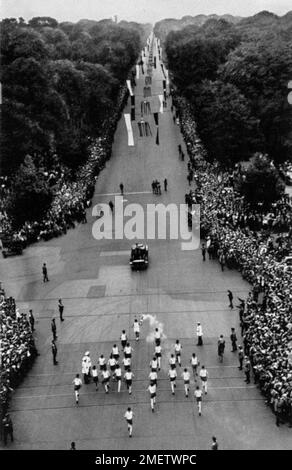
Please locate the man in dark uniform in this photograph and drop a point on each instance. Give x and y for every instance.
(54, 329)
(203, 251)
(122, 188)
(230, 297)
(7, 428)
(61, 309)
(31, 320)
(165, 184)
(54, 352)
(214, 443)
(247, 368)
(233, 339)
(45, 273)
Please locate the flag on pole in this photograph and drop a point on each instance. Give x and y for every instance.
(157, 128)
(129, 129)
(129, 87)
(161, 103)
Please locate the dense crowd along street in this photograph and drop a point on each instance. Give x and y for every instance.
(191, 351)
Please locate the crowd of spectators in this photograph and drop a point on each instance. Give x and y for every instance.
(256, 244)
(72, 196)
(18, 349)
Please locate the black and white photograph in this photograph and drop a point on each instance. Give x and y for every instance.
(145, 229)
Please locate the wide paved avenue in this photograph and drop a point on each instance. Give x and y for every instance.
(102, 296)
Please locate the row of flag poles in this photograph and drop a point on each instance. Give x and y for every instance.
(151, 104)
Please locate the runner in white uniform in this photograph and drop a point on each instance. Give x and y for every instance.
(186, 377)
(194, 363)
(127, 363)
(129, 418)
(77, 385)
(157, 336)
(136, 327)
(118, 375)
(172, 377)
(154, 364)
(153, 378)
(152, 391)
(123, 339)
(128, 378)
(177, 351)
(102, 362)
(172, 361)
(115, 352)
(94, 374)
(128, 350)
(105, 380)
(112, 364)
(204, 378)
(198, 396)
(158, 350)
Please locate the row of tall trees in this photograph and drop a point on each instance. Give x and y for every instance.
(60, 82)
(235, 75)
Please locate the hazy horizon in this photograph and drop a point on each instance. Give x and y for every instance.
(141, 11)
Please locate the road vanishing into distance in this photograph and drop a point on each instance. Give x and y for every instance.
(102, 296)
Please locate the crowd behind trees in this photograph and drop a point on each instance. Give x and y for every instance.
(63, 89)
(256, 243)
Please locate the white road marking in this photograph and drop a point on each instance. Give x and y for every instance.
(115, 253)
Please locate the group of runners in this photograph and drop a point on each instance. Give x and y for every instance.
(111, 370)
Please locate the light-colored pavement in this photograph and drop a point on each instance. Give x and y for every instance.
(102, 296)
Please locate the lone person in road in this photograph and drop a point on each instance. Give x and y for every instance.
(54, 329)
(54, 352)
(61, 309)
(45, 273)
(230, 297)
(199, 334)
(165, 184)
(122, 188)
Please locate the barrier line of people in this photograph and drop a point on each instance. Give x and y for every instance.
(256, 245)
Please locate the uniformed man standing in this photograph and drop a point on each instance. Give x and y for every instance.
(199, 334)
(61, 309)
(45, 273)
(233, 339)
